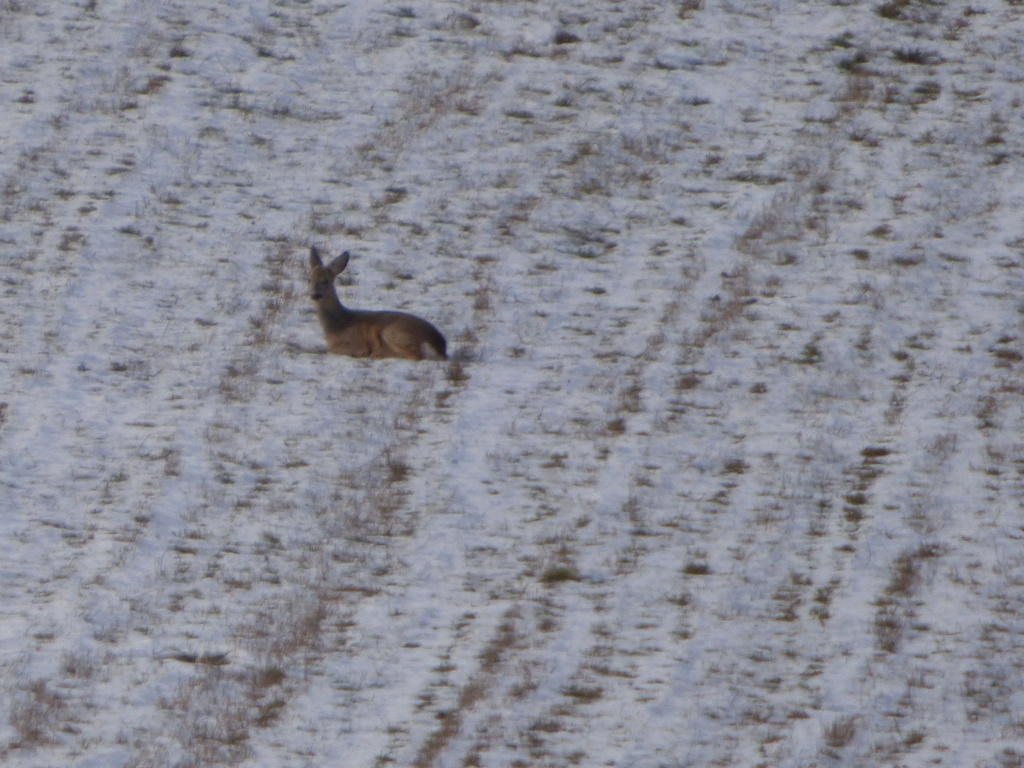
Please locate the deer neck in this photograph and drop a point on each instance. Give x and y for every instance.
(332, 313)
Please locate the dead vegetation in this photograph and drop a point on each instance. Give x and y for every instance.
(731, 405)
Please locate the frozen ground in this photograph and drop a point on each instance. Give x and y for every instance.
(727, 468)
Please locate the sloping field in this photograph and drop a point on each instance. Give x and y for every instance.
(726, 467)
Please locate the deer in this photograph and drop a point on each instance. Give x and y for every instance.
(365, 333)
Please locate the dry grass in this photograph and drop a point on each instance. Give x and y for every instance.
(644, 446)
(36, 714)
(839, 733)
(213, 719)
(557, 574)
(506, 639)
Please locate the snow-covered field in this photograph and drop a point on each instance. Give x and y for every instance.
(726, 469)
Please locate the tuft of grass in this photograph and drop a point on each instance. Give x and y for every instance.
(839, 733)
(823, 599)
(810, 354)
(892, 10)
(547, 725)
(686, 8)
(735, 467)
(269, 712)
(853, 63)
(179, 51)
(506, 638)
(905, 576)
(461, 22)
(583, 694)
(925, 91)
(697, 568)
(396, 468)
(213, 720)
(888, 629)
(917, 56)
(687, 381)
(616, 427)
(82, 665)
(856, 498)
(216, 659)
(556, 574)
(152, 85)
(35, 715)
(455, 371)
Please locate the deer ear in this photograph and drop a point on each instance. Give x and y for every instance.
(338, 265)
(314, 257)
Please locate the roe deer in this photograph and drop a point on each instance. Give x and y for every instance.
(360, 333)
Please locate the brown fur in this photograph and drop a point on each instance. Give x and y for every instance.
(361, 333)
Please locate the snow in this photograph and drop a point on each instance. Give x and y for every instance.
(725, 468)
